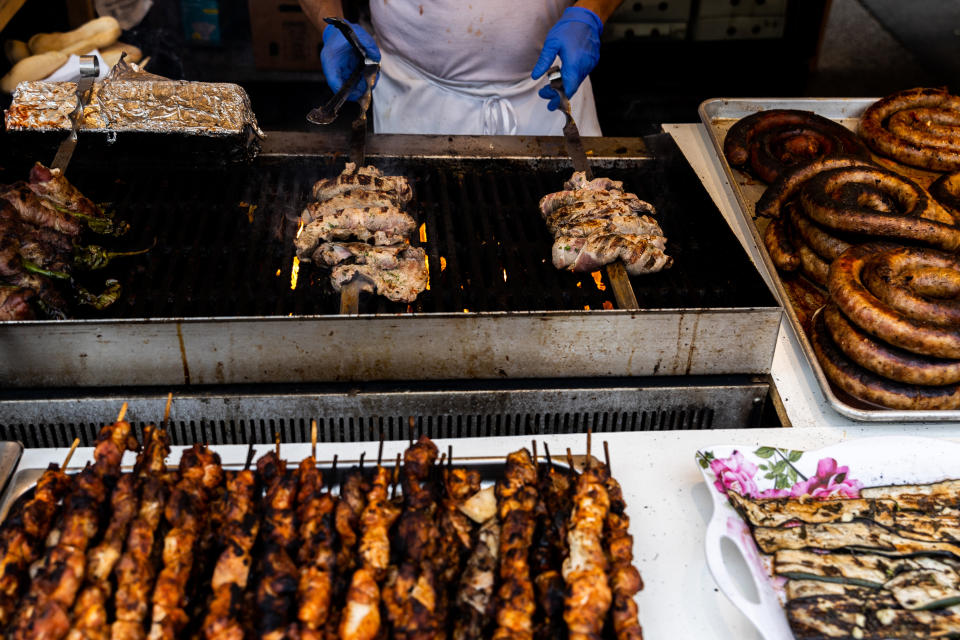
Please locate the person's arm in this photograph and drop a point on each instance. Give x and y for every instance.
(576, 40)
(317, 10)
(338, 57)
(603, 8)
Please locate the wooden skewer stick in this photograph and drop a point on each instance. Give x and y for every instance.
(250, 453)
(589, 437)
(276, 442)
(606, 454)
(570, 460)
(123, 412)
(166, 410)
(380, 450)
(362, 456)
(546, 451)
(449, 456)
(534, 444)
(333, 475)
(313, 440)
(73, 447)
(396, 478)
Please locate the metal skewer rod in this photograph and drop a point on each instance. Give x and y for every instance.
(73, 447)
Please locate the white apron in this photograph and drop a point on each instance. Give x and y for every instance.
(450, 68)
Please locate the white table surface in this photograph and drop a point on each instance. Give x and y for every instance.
(667, 500)
(802, 398)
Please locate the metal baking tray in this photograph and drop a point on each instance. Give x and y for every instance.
(718, 115)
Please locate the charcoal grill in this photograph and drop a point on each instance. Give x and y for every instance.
(213, 302)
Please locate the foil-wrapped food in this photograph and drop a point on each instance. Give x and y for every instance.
(132, 100)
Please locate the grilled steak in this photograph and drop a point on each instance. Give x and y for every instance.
(640, 253)
(402, 284)
(385, 225)
(364, 179)
(333, 253)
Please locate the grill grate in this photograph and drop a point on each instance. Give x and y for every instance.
(224, 238)
(452, 410)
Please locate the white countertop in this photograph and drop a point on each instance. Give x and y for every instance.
(668, 503)
(802, 398)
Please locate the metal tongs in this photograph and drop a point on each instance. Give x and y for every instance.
(350, 292)
(616, 271)
(89, 70)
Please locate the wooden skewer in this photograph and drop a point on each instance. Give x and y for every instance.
(570, 460)
(589, 437)
(449, 456)
(396, 478)
(333, 475)
(73, 447)
(606, 454)
(123, 412)
(362, 456)
(546, 451)
(250, 453)
(380, 450)
(313, 440)
(276, 442)
(166, 410)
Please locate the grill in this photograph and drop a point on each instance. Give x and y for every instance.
(225, 238)
(213, 304)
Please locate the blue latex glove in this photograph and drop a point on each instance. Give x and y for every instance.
(339, 59)
(576, 39)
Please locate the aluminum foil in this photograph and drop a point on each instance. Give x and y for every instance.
(131, 100)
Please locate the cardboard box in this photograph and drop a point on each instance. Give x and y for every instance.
(282, 36)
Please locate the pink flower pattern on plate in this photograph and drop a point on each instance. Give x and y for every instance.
(738, 473)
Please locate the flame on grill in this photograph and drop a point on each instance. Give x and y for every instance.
(423, 232)
(294, 273)
(504, 275)
(586, 307)
(598, 278)
(607, 305)
(279, 271)
(299, 228)
(443, 264)
(426, 265)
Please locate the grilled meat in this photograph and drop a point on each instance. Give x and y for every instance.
(15, 303)
(596, 208)
(352, 199)
(402, 284)
(364, 179)
(456, 529)
(333, 253)
(50, 184)
(39, 212)
(595, 223)
(316, 555)
(640, 254)
(625, 580)
(384, 225)
(550, 548)
(277, 589)
(516, 503)
(361, 616)
(475, 596)
(185, 512)
(585, 569)
(377, 518)
(22, 536)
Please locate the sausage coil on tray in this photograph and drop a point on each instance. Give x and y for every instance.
(771, 142)
(919, 127)
(946, 191)
(891, 333)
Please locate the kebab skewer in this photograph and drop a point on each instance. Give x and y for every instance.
(625, 580)
(550, 546)
(232, 571)
(277, 589)
(516, 504)
(187, 506)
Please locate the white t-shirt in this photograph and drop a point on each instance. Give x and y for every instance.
(467, 40)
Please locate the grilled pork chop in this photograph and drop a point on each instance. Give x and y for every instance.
(587, 197)
(365, 179)
(385, 225)
(333, 253)
(631, 225)
(640, 253)
(402, 284)
(585, 211)
(352, 199)
(579, 181)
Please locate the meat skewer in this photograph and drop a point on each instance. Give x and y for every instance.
(23, 533)
(411, 594)
(316, 555)
(516, 505)
(232, 571)
(625, 580)
(186, 509)
(585, 569)
(277, 589)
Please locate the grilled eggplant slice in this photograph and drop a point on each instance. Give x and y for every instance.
(867, 570)
(877, 618)
(932, 585)
(859, 535)
(918, 497)
(778, 511)
(809, 588)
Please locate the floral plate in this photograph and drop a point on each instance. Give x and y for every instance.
(839, 471)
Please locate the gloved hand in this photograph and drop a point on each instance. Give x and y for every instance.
(576, 39)
(339, 59)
